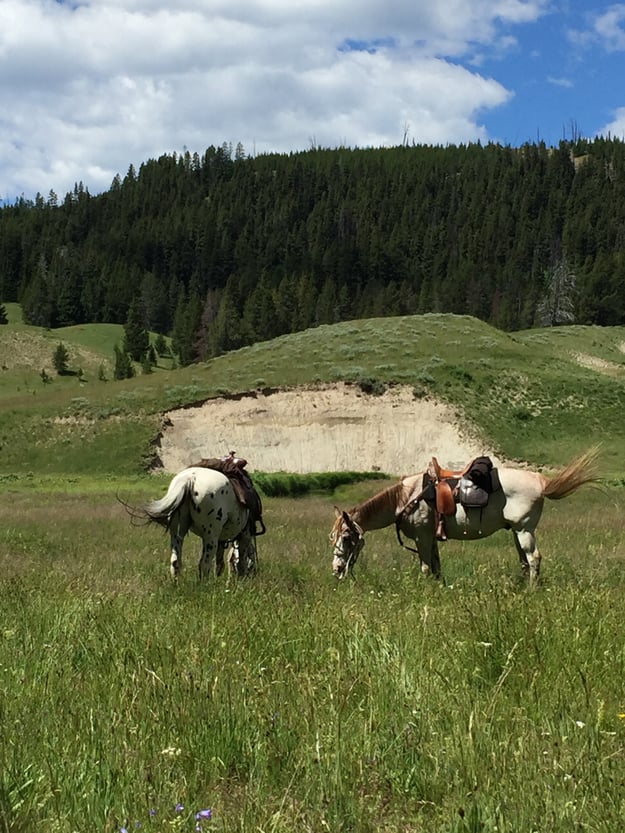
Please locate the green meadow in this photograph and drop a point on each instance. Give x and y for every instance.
(289, 701)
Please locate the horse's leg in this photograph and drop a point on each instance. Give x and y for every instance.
(232, 558)
(179, 527)
(529, 554)
(175, 561)
(427, 548)
(208, 547)
(219, 557)
(435, 560)
(525, 567)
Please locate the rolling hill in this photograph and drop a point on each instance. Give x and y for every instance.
(538, 395)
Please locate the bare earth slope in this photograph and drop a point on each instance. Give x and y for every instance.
(333, 428)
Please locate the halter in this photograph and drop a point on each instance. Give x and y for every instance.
(352, 534)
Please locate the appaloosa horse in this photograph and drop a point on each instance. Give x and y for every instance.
(202, 500)
(517, 506)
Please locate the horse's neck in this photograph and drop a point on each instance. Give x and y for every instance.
(380, 510)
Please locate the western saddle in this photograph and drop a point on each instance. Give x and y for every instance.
(445, 500)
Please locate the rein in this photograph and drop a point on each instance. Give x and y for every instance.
(399, 538)
(407, 508)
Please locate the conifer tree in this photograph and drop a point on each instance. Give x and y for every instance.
(60, 359)
(160, 345)
(136, 337)
(123, 365)
(557, 306)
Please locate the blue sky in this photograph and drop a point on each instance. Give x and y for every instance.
(89, 87)
(565, 74)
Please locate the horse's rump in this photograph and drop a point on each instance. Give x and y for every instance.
(161, 511)
(241, 481)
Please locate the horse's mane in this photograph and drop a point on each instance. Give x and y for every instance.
(392, 498)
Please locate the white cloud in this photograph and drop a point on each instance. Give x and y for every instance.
(615, 128)
(606, 30)
(88, 89)
(561, 82)
(610, 28)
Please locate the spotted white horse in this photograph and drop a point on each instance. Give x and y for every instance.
(516, 506)
(202, 500)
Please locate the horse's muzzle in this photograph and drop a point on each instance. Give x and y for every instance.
(339, 567)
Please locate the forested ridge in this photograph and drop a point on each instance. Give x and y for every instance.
(222, 250)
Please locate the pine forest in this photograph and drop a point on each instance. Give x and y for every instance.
(223, 250)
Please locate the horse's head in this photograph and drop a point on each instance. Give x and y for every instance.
(347, 539)
(243, 556)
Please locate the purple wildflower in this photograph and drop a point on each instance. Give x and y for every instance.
(204, 814)
(179, 808)
(152, 812)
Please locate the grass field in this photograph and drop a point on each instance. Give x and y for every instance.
(290, 702)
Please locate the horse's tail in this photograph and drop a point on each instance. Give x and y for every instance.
(161, 511)
(580, 471)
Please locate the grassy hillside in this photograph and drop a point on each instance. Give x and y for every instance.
(539, 395)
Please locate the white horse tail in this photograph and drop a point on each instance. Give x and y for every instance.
(161, 511)
(580, 471)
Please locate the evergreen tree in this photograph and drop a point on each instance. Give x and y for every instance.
(186, 325)
(136, 337)
(209, 312)
(557, 306)
(60, 359)
(160, 345)
(123, 365)
(37, 303)
(147, 365)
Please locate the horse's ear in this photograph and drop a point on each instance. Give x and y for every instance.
(337, 512)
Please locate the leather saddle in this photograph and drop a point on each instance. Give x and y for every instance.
(444, 488)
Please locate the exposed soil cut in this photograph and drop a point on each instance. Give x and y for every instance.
(330, 428)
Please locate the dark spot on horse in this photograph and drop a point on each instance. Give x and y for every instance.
(219, 514)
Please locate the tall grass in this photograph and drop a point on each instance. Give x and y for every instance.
(290, 702)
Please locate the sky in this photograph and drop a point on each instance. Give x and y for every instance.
(90, 87)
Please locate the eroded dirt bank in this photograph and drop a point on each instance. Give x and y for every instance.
(331, 428)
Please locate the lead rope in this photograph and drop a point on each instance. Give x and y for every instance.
(404, 512)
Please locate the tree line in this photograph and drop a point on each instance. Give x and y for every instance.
(223, 249)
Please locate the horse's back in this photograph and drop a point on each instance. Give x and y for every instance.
(194, 485)
(203, 478)
(518, 483)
